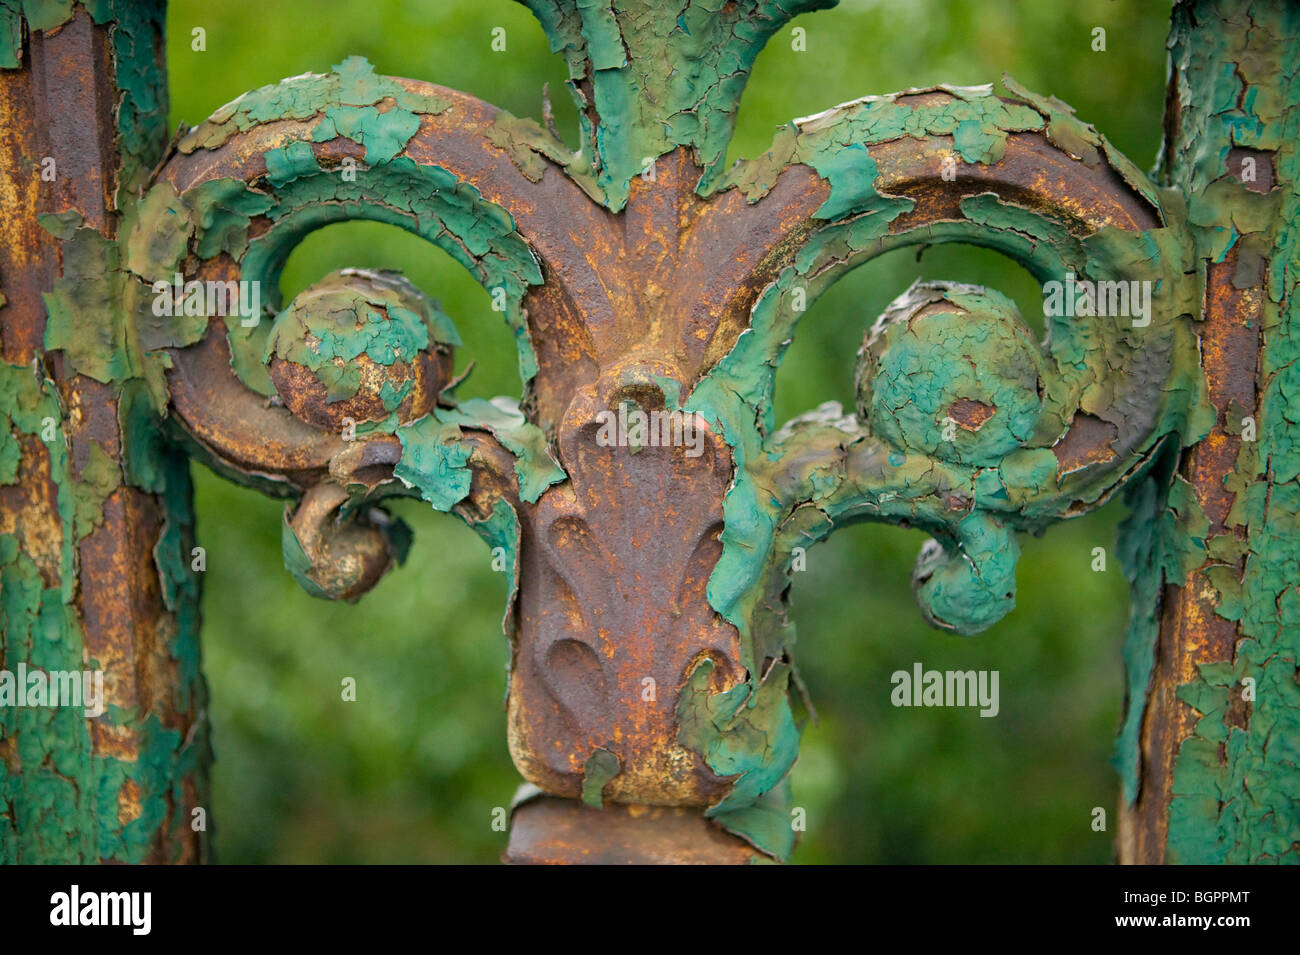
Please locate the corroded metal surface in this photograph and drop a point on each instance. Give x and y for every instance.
(563, 832)
(1191, 632)
(1213, 648)
(82, 585)
(652, 664)
(614, 563)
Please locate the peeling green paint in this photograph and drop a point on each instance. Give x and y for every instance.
(435, 460)
(298, 196)
(11, 34)
(533, 149)
(501, 529)
(98, 314)
(60, 800)
(438, 462)
(825, 469)
(837, 142)
(352, 85)
(136, 30)
(908, 399)
(747, 732)
(600, 768)
(534, 466)
(660, 76)
(766, 823)
(63, 797)
(1234, 797)
(333, 323)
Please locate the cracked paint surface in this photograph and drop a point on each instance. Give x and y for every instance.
(116, 788)
(889, 463)
(649, 77)
(1232, 795)
(298, 196)
(367, 343)
(963, 425)
(64, 797)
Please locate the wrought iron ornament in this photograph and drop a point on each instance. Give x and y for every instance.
(646, 502)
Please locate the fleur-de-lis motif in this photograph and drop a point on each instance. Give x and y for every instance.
(672, 292)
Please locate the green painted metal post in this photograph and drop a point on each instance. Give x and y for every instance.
(1210, 763)
(100, 605)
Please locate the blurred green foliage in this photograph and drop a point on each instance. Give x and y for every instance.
(411, 771)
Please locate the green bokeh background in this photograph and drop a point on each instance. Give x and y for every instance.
(412, 770)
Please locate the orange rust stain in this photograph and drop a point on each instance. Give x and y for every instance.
(128, 802)
(971, 415)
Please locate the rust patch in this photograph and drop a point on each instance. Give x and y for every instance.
(1088, 441)
(971, 415)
